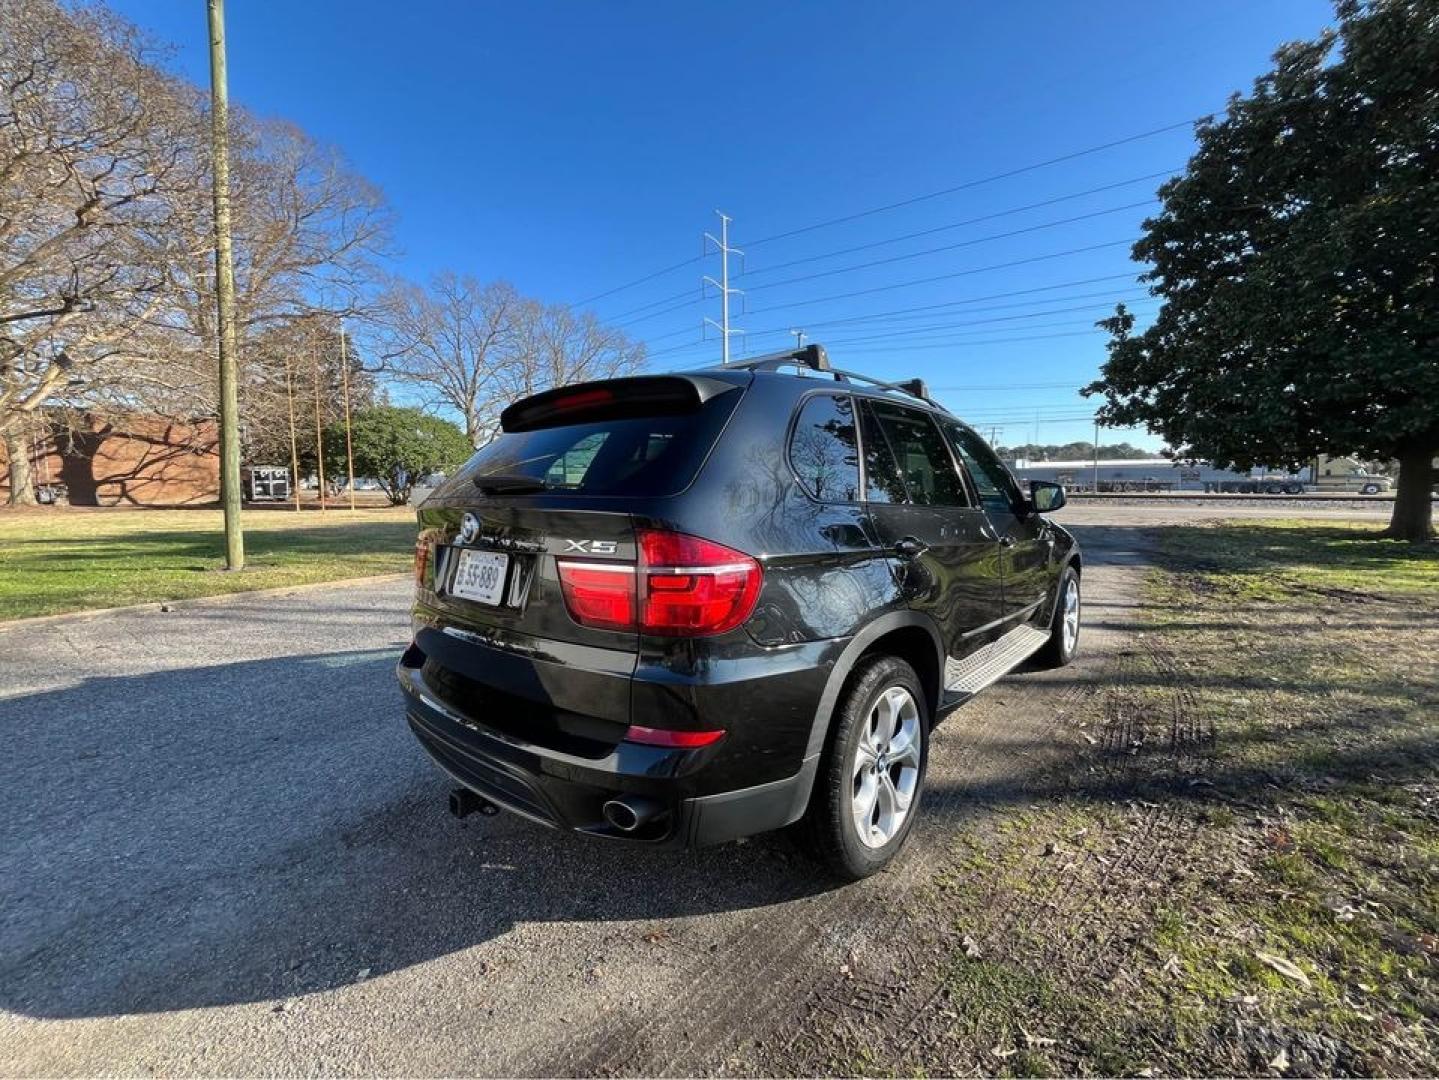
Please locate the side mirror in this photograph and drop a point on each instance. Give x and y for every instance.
(1046, 497)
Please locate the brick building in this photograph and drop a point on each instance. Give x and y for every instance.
(134, 461)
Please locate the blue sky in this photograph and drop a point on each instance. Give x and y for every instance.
(571, 148)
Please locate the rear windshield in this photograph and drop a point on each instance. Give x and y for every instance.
(650, 457)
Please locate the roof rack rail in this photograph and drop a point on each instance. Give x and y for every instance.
(814, 358)
(914, 388)
(811, 356)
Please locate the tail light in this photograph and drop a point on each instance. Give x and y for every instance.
(599, 594)
(422, 560)
(693, 586)
(683, 586)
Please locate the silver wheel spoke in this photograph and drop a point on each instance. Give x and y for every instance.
(864, 800)
(896, 798)
(906, 753)
(887, 709)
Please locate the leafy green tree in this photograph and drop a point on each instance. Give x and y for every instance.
(1073, 451)
(398, 447)
(1298, 261)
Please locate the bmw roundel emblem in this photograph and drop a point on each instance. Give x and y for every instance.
(469, 528)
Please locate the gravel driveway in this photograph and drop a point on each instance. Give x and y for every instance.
(222, 852)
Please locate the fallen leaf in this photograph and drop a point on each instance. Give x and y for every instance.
(1171, 966)
(1287, 968)
(1000, 1052)
(363, 973)
(971, 947)
(1280, 1061)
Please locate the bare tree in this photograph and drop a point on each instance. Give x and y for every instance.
(475, 348)
(308, 234)
(452, 340)
(94, 152)
(559, 347)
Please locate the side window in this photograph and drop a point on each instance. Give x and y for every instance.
(824, 450)
(997, 490)
(884, 483)
(919, 450)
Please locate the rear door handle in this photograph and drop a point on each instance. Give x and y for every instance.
(910, 547)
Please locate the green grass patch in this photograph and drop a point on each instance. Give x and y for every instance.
(1273, 560)
(72, 560)
(1309, 823)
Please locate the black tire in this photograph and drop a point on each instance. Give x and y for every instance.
(1369, 489)
(830, 823)
(1060, 649)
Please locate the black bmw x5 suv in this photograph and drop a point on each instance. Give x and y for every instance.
(680, 609)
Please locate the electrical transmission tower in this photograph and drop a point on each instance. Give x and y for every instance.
(721, 244)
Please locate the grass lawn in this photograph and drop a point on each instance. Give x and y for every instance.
(1271, 749)
(1229, 864)
(69, 560)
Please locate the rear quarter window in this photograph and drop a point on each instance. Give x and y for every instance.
(824, 448)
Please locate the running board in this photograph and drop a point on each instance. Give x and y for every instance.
(993, 662)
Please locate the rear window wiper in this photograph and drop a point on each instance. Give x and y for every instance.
(508, 483)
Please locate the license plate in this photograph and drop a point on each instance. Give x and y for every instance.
(480, 576)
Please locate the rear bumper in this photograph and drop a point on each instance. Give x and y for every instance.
(567, 790)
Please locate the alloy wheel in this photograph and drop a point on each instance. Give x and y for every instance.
(1070, 619)
(886, 767)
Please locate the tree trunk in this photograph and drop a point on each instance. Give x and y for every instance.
(1413, 518)
(22, 474)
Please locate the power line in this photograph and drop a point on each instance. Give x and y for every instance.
(979, 300)
(927, 310)
(958, 224)
(877, 262)
(953, 247)
(946, 277)
(908, 284)
(653, 303)
(885, 335)
(976, 183)
(994, 341)
(939, 327)
(638, 281)
(1085, 152)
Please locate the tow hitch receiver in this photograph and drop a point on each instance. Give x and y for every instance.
(464, 802)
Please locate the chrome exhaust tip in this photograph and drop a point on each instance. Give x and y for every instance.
(630, 812)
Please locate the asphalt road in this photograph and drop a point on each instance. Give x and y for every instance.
(221, 852)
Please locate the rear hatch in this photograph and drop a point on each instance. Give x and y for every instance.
(560, 485)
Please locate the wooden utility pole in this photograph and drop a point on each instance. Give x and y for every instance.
(319, 430)
(294, 437)
(345, 379)
(225, 291)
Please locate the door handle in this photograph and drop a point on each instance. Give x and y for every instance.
(910, 547)
(1006, 541)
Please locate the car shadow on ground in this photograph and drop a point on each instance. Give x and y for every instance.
(250, 832)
